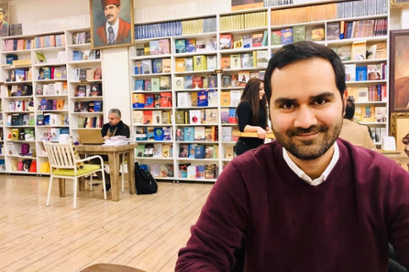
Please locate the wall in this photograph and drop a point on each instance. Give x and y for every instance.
(405, 19)
(23, 11)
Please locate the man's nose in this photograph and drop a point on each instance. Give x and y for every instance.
(305, 117)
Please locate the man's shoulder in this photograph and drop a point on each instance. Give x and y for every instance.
(124, 23)
(101, 28)
(257, 157)
(366, 160)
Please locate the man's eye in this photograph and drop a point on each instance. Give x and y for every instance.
(288, 106)
(320, 101)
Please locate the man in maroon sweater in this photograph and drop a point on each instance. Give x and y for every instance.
(308, 201)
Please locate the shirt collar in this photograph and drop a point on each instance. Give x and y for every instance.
(301, 174)
(114, 26)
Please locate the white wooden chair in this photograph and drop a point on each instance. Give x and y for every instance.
(63, 164)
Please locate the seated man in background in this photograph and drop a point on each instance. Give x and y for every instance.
(353, 132)
(114, 127)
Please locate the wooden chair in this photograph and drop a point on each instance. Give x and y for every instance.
(110, 268)
(63, 164)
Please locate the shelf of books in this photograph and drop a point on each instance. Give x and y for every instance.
(85, 82)
(40, 76)
(188, 76)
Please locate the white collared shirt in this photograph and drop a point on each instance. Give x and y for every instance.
(115, 27)
(301, 174)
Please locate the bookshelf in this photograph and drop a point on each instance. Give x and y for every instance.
(39, 105)
(252, 35)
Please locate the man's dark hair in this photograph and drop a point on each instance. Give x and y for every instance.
(300, 51)
(349, 109)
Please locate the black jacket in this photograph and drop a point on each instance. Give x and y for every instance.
(122, 130)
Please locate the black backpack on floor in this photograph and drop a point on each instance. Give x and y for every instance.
(144, 181)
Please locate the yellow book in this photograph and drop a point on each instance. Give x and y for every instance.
(254, 58)
(180, 65)
(200, 63)
(225, 99)
(193, 97)
(368, 114)
(358, 51)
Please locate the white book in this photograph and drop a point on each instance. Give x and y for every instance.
(184, 100)
(191, 171)
(157, 150)
(195, 117)
(350, 72)
(262, 58)
(58, 86)
(212, 98)
(156, 117)
(235, 98)
(179, 83)
(226, 134)
(211, 62)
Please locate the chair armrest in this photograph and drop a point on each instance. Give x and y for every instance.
(91, 158)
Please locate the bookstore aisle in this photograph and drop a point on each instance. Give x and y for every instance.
(187, 77)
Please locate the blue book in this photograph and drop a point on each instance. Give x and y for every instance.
(151, 133)
(286, 35)
(98, 106)
(64, 131)
(158, 134)
(361, 73)
(139, 85)
(199, 152)
(180, 46)
(157, 66)
(189, 134)
(202, 99)
(188, 82)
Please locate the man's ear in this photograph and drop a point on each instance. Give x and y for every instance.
(344, 101)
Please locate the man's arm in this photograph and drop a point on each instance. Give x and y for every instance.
(220, 228)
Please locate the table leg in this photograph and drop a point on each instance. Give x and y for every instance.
(131, 170)
(114, 170)
(61, 182)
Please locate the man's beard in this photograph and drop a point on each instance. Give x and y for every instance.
(309, 149)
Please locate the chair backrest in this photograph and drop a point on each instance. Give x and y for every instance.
(60, 155)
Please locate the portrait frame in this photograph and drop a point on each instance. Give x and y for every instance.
(399, 127)
(98, 22)
(246, 4)
(399, 3)
(6, 18)
(399, 55)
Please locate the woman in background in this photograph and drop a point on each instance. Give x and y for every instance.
(252, 115)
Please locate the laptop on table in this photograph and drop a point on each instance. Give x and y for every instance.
(90, 137)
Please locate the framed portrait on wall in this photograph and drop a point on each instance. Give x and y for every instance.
(246, 4)
(112, 23)
(399, 3)
(399, 71)
(4, 19)
(399, 128)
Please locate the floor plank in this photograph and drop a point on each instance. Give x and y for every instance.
(133, 231)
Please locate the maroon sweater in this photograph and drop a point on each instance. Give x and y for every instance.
(344, 224)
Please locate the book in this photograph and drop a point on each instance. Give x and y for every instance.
(358, 51)
(333, 31)
(318, 34)
(298, 33)
(286, 35)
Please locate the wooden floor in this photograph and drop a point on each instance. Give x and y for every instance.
(141, 231)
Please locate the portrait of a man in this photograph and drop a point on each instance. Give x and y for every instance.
(4, 18)
(246, 4)
(112, 23)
